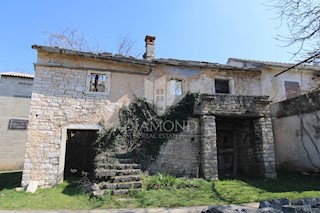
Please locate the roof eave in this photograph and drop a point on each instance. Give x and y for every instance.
(203, 65)
(102, 56)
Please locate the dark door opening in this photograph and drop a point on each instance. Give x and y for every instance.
(237, 147)
(227, 154)
(79, 152)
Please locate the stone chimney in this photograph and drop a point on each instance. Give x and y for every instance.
(149, 54)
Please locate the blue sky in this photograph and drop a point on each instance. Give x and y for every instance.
(204, 30)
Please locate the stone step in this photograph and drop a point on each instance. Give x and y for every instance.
(125, 160)
(122, 156)
(122, 166)
(129, 178)
(122, 191)
(115, 172)
(124, 185)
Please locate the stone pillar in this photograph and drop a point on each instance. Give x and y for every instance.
(209, 159)
(265, 149)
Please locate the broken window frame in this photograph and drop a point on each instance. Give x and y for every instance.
(224, 80)
(106, 83)
(176, 87)
(291, 93)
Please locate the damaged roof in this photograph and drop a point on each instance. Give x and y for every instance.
(104, 55)
(150, 62)
(248, 63)
(17, 74)
(190, 63)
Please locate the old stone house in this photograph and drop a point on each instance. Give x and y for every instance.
(74, 92)
(15, 98)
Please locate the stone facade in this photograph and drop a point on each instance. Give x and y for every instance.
(237, 107)
(15, 98)
(61, 101)
(194, 153)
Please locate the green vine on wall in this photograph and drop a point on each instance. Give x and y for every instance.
(141, 129)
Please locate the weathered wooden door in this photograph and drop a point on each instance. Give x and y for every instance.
(227, 155)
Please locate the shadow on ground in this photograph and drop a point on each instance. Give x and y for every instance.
(288, 182)
(12, 180)
(254, 188)
(72, 186)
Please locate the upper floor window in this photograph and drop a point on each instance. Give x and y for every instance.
(98, 82)
(292, 89)
(222, 86)
(176, 87)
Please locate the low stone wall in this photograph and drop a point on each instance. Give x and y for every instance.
(304, 205)
(180, 156)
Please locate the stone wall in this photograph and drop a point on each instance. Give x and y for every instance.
(180, 156)
(196, 153)
(253, 107)
(58, 101)
(209, 158)
(12, 142)
(265, 146)
(234, 105)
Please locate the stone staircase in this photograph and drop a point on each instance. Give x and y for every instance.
(120, 177)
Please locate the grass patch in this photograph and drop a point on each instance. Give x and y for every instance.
(160, 191)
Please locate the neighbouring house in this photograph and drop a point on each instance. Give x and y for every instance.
(74, 92)
(15, 98)
(280, 81)
(296, 124)
(295, 111)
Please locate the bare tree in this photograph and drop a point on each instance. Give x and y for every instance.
(125, 46)
(302, 18)
(74, 39)
(68, 38)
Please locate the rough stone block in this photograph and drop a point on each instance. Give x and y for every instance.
(32, 186)
(298, 209)
(274, 203)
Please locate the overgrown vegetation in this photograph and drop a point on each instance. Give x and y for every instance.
(160, 191)
(141, 130)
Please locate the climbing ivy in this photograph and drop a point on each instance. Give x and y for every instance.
(140, 131)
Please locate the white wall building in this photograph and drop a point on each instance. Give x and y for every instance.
(15, 98)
